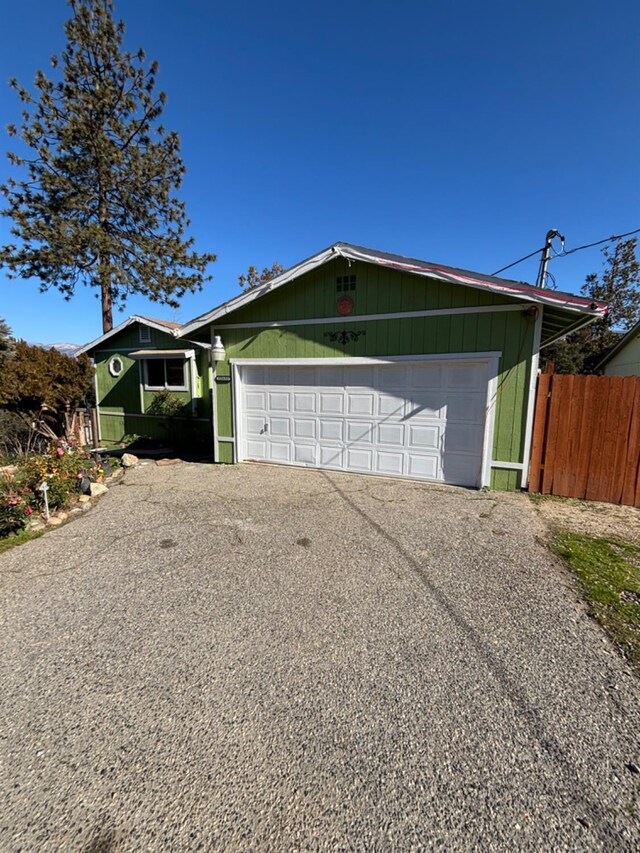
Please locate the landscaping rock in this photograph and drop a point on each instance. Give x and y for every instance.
(55, 521)
(36, 524)
(63, 516)
(83, 499)
(129, 460)
(98, 489)
(163, 462)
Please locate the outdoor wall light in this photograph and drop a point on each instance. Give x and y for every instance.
(217, 350)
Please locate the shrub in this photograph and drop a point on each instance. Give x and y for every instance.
(14, 508)
(60, 471)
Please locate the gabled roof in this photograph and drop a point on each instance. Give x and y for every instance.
(514, 289)
(624, 340)
(166, 326)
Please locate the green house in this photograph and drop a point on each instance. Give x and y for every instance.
(150, 383)
(354, 360)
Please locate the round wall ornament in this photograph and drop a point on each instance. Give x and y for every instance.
(115, 366)
(344, 305)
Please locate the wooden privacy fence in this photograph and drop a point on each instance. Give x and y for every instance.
(586, 438)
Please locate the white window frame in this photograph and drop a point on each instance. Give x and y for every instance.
(165, 387)
(144, 334)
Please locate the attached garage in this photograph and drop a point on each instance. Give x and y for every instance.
(364, 361)
(424, 419)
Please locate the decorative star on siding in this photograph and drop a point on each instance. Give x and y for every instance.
(344, 337)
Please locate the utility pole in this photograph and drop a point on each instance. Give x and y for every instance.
(542, 272)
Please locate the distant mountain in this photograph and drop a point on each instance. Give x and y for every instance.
(65, 349)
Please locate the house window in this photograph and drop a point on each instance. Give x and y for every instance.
(115, 366)
(163, 373)
(145, 334)
(345, 282)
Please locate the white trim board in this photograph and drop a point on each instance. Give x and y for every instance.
(135, 318)
(509, 466)
(531, 398)
(362, 318)
(356, 360)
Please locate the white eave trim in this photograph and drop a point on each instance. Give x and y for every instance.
(524, 292)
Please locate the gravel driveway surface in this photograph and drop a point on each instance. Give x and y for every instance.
(263, 658)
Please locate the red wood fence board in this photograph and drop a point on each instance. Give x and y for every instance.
(586, 438)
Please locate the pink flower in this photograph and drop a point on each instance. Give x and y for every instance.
(60, 451)
(28, 510)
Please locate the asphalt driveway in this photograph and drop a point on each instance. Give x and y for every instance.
(261, 658)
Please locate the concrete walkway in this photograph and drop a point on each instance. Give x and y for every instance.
(261, 658)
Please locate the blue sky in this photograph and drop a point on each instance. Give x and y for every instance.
(457, 132)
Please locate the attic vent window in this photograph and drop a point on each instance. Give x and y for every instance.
(145, 334)
(345, 282)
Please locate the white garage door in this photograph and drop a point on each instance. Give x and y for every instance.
(421, 420)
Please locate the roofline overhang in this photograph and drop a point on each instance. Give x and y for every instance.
(514, 289)
(145, 321)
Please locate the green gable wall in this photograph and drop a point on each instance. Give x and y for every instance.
(379, 291)
(121, 411)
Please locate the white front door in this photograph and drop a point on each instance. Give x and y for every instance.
(422, 420)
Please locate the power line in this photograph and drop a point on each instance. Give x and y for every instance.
(515, 263)
(597, 243)
(563, 254)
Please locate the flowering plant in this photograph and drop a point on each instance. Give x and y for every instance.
(14, 508)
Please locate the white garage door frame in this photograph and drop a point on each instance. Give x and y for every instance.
(491, 359)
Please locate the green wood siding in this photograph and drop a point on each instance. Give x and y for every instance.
(379, 290)
(121, 395)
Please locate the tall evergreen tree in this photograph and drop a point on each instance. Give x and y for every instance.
(97, 206)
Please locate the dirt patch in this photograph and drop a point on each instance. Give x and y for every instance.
(591, 517)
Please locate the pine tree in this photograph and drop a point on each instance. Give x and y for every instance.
(253, 278)
(97, 206)
(619, 286)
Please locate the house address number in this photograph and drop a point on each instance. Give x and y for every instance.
(222, 380)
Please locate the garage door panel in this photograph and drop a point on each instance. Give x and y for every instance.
(360, 404)
(359, 459)
(390, 463)
(304, 401)
(257, 449)
(360, 431)
(424, 437)
(279, 401)
(280, 427)
(425, 405)
(360, 377)
(423, 467)
(426, 376)
(456, 468)
(389, 404)
(459, 437)
(279, 376)
(470, 407)
(255, 425)
(392, 377)
(422, 421)
(279, 451)
(391, 434)
(466, 375)
(305, 454)
(332, 377)
(255, 401)
(304, 428)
